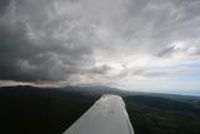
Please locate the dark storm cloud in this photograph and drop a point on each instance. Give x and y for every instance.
(70, 40)
(24, 59)
(3, 5)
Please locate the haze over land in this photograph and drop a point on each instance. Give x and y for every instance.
(137, 45)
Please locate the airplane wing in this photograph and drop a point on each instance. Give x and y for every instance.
(107, 116)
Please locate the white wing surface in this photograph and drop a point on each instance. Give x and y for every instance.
(107, 116)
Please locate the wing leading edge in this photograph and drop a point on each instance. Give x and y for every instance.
(107, 116)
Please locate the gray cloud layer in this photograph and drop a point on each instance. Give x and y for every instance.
(26, 57)
(95, 41)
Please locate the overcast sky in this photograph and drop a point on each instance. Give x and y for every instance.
(151, 45)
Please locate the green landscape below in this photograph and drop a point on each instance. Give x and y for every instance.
(32, 110)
